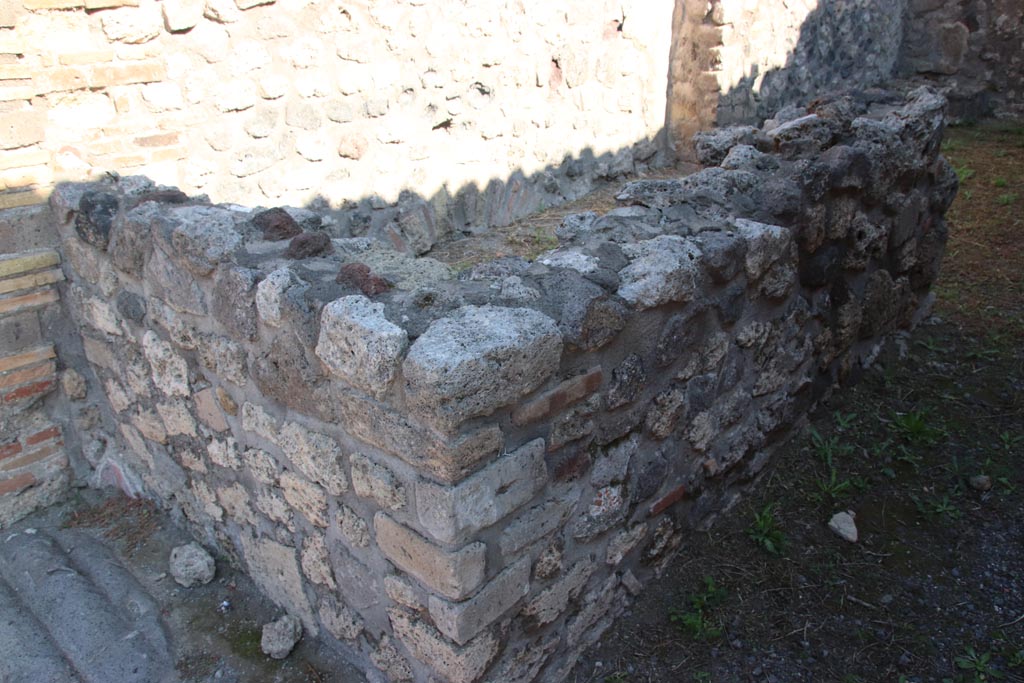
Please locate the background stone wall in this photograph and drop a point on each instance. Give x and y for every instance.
(512, 104)
(739, 62)
(465, 476)
(973, 50)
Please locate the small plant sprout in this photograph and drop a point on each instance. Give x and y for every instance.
(1006, 199)
(765, 531)
(999, 182)
(844, 421)
(833, 487)
(977, 666)
(913, 426)
(826, 449)
(695, 620)
(963, 173)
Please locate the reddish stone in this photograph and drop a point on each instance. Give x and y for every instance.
(9, 450)
(276, 224)
(35, 389)
(568, 392)
(45, 435)
(17, 483)
(309, 244)
(359, 275)
(31, 458)
(570, 464)
(668, 500)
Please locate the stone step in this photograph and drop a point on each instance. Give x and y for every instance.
(100, 640)
(27, 653)
(99, 564)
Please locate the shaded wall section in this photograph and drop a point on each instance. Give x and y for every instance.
(973, 50)
(739, 62)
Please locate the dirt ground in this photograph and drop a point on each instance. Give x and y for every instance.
(926, 451)
(213, 630)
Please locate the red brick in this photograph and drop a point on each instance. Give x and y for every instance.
(668, 500)
(36, 389)
(31, 458)
(45, 435)
(126, 74)
(17, 483)
(158, 140)
(61, 79)
(27, 358)
(13, 304)
(167, 154)
(568, 392)
(10, 450)
(13, 379)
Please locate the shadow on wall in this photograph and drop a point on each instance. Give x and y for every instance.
(737, 63)
(415, 224)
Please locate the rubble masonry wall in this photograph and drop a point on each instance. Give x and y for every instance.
(466, 475)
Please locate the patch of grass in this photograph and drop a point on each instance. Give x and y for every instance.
(977, 666)
(936, 507)
(696, 621)
(963, 173)
(999, 182)
(1006, 199)
(833, 487)
(827, 448)
(914, 427)
(766, 533)
(844, 422)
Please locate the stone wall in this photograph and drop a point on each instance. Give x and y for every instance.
(465, 476)
(472, 114)
(34, 469)
(973, 51)
(739, 62)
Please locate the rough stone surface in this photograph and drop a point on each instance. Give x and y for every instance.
(534, 455)
(372, 480)
(452, 574)
(279, 638)
(662, 270)
(464, 620)
(451, 513)
(842, 524)
(458, 665)
(477, 360)
(191, 565)
(359, 345)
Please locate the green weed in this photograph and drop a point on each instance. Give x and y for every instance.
(963, 173)
(765, 531)
(999, 182)
(826, 449)
(695, 620)
(832, 488)
(844, 422)
(913, 426)
(1006, 199)
(977, 667)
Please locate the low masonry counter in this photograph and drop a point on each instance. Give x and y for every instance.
(464, 476)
